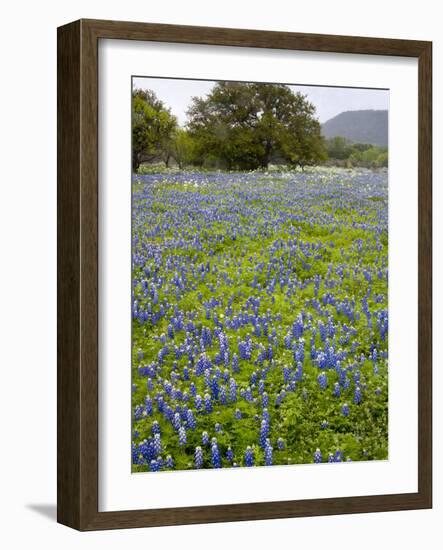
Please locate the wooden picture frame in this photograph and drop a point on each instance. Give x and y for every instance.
(77, 456)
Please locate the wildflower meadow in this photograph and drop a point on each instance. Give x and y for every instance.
(259, 317)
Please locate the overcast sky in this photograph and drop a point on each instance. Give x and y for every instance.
(177, 94)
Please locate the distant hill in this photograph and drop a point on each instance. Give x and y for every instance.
(359, 126)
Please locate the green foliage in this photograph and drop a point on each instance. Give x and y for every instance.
(152, 128)
(373, 157)
(182, 148)
(342, 151)
(339, 148)
(246, 126)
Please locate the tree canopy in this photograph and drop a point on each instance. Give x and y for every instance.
(247, 126)
(344, 152)
(239, 126)
(152, 128)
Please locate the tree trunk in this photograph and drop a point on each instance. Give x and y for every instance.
(267, 156)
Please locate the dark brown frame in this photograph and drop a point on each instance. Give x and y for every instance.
(77, 323)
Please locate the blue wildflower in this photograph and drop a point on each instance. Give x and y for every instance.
(249, 456)
(318, 456)
(198, 457)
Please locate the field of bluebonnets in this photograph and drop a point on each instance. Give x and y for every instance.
(260, 321)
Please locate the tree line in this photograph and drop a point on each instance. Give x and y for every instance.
(343, 152)
(238, 126)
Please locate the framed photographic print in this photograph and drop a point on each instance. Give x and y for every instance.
(244, 275)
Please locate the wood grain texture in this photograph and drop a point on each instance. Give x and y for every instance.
(425, 273)
(68, 275)
(253, 38)
(77, 228)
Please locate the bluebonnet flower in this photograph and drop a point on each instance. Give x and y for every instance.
(138, 412)
(135, 454)
(235, 367)
(268, 453)
(208, 403)
(237, 414)
(207, 377)
(338, 456)
(318, 456)
(198, 457)
(261, 386)
(214, 387)
(148, 405)
(146, 450)
(232, 390)
(345, 409)
(357, 395)
(222, 396)
(155, 429)
(154, 466)
(205, 438)
(264, 431)
(248, 394)
(249, 456)
(198, 402)
(176, 421)
(190, 418)
(160, 403)
(218, 427)
(287, 340)
(322, 380)
(280, 444)
(182, 436)
(169, 462)
(337, 390)
(157, 444)
(324, 424)
(297, 327)
(215, 454)
(286, 374)
(299, 372)
(229, 454)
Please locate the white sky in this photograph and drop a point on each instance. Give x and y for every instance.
(329, 101)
